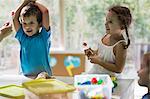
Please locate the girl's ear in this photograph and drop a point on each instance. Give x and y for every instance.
(122, 27)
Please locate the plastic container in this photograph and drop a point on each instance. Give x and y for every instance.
(95, 86)
(47, 89)
(12, 91)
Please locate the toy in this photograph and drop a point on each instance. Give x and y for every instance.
(114, 80)
(94, 80)
(93, 86)
(100, 82)
(87, 50)
(86, 83)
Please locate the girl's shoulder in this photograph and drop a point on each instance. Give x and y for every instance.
(120, 45)
(120, 42)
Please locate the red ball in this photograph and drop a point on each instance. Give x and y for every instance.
(94, 80)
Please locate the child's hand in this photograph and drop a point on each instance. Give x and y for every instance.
(6, 29)
(95, 59)
(44, 75)
(89, 52)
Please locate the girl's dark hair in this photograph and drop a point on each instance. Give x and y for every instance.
(31, 9)
(125, 18)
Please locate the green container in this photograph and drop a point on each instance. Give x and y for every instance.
(12, 91)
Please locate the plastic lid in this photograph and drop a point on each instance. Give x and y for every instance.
(47, 86)
(12, 91)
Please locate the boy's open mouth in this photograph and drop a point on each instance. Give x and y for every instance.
(29, 31)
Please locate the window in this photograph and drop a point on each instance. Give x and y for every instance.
(9, 47)
(76, 21)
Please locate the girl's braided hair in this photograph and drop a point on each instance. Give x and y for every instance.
(125, 18)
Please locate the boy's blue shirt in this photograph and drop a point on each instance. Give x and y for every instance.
(34, 52)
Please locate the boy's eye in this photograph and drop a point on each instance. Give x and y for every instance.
(32, 23)
(110, 21)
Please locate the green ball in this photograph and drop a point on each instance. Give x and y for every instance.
(79, 83)
(100, 82)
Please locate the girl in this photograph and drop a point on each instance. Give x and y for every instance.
(112, 49)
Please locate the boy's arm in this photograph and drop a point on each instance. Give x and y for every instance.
(5, 31)
(17, 14)
(45, 15)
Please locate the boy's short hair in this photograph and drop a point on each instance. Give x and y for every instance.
(31, 9)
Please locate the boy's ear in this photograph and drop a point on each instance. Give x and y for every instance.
(40, 24)
(20, 20)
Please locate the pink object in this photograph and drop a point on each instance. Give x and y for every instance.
(85, 47)
(13, 13)
(84, 44)
(7, 23)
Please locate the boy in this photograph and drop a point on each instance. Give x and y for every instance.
(144, 74)
(33, 33)
(5, 30)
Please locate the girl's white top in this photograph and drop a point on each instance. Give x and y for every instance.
(106, 53)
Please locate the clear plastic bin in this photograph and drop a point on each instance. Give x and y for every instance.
(47, 89)
(96, 86)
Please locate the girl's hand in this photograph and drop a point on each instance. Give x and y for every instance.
(95, 59)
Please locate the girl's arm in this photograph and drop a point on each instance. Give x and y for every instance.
(118, 66)
(17, 14)
(45, 15)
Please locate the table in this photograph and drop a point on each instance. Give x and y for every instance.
(125, 89)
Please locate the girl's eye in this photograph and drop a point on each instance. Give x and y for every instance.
(24, 23)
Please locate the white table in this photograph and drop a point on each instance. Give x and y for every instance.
(125, 89)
